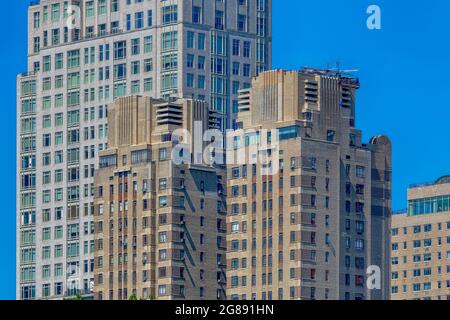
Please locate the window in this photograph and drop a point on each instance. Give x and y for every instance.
(162, 154)
(360, 171)
(58, 61)
(201, 41)
(58, 138)
(101, 7)
(138, 20)
(201, 62)
(46, 63)
(135, 46)
(114, 5)
(58, 85)
(162, 201)
(148, 65)
(162, 290)
(359, 244)
(36, 20)
(162, 237)
(360, 189)
(89, 9)
(148, 44)
(169, 41)
(46, 140)
(235, 172)
(148, 84)
(190, 39)
(359, 227)
(190, 80)
(149, 18)
(169, 14)
(246, 51)
(73, 59)
(135, 67)
(352, 139)
(120, 50)
(330, 135)
(201, 82)
(190, 61)
(242, 23)
(429, 205)
(219, 20)
(163, 184)
(196, 14)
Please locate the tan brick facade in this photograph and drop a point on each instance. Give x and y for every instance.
(159, 225)
(310, 230)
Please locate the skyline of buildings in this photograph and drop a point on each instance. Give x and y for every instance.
(206, 50)
(177, 51)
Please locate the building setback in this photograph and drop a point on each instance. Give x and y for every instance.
(312, 228)
(206, 50)
(159, 225)
(421, 244)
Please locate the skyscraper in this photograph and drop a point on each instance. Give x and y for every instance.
(309, 217)
(81, 56)
(159, 223)
(421, 244)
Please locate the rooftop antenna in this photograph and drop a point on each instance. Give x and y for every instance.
(338, 70)
(344, 72)
(348, 72)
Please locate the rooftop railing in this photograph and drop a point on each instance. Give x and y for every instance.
(399, 212)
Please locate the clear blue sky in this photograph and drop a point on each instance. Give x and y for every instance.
(404, 72)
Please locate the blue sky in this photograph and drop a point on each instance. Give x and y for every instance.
(404, 70)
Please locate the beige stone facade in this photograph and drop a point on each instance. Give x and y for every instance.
(421, 244)
(310, 229)
(159, 225)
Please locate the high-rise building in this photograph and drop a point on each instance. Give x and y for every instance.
(159, 224)
(83, 54)
(308, 219)
(421, 244)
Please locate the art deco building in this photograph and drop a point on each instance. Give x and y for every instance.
(311, 227)
(421, 244)
(83, 54)
(159, 225)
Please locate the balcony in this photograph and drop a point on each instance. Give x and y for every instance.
(221, 230)
(78, 294)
